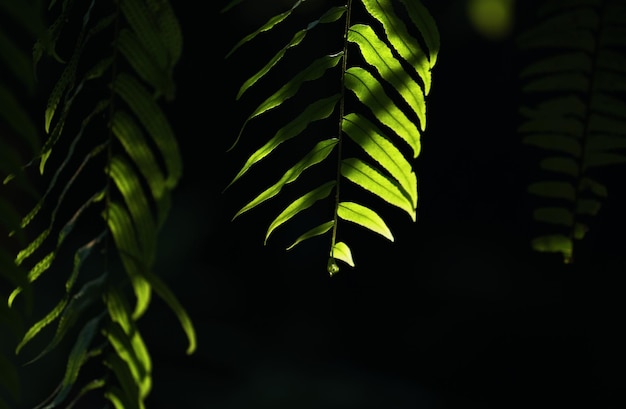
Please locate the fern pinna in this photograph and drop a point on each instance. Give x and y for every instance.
(577, 83)
(384, 58)
(110, 163)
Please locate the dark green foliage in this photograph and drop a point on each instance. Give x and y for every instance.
(88, 181)
(577, 81)
(109, 163)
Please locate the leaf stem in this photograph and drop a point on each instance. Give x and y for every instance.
(344, 67)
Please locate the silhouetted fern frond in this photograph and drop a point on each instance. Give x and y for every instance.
(110, 163)
(578, 85)
(384, 58)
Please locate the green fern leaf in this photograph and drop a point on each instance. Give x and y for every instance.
(559, 164)
(427, 27)
(316, 231)
(129, 185)
(128, 396)
(123, 232)
(330, 16)
(376, 53)
(143, 281)
(555, 243)
(363, 216)
(270, 24)
(398, 35)
(372, 180)
(371, 140)
(371, 92)
(316, 155)
(316, 111)
(558, 64)
(144, 63)
(71, 312)
(89, 387)
(78, 356)
(142, 22)
(342, 252)
(384, 116)
(155, 123)
(46, 262)
(301, 204)
(136, 357)
(129, 133)
(128, 343)
(580, 114)
(124, 55)
(170, 299)
(555, 142)
(29, 217)
(287, 91)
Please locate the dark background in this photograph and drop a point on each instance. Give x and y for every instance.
(458, 312)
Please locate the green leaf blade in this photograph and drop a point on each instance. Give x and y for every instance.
(301, 204)
(370, 179)
(371, 93)
(384, 152)
(316, 111)
(379, 56)
(319, 152)
(314, 232)
(365, 217)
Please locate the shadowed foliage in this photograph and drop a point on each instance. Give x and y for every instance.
(89, 160)
(576, 82)
(108, 165)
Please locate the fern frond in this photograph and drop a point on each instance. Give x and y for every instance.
(389, 79)
(116, 187)
(579, 120)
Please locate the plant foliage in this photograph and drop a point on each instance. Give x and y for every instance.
(19, 138)
(577, 84)
(382, 62)
(109, 164)
(97, 175)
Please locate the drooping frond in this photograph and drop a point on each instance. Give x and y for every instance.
(577, 117)
(382, 65)
(110, 163)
